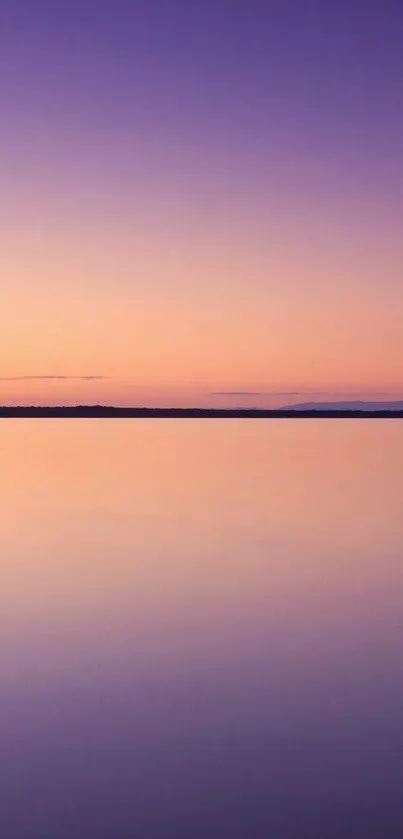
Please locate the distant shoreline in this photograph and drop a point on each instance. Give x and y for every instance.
(111, 412)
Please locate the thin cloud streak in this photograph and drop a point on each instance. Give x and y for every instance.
(252, 393)
(52, 378)
(267, 393)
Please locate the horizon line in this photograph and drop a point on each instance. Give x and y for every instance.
(301, 408)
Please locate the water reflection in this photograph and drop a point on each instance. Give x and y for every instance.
(201, 629)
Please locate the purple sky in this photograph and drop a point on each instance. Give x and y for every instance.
(178, 125)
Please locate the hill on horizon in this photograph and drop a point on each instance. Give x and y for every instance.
(347, 405)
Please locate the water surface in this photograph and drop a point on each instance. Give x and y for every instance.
(201, 629)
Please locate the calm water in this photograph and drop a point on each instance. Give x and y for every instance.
(201, 629)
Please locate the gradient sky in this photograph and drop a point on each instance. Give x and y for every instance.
(201, 201)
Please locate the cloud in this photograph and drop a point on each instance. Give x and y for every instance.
(51, 378)
(268, 393)
(275, 393)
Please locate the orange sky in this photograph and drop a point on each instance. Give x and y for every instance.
(173, 310)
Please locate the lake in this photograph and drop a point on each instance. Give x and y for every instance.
(201, 627)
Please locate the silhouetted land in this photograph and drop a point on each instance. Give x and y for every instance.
(110, 412)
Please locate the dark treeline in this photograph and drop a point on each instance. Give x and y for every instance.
(110, 412)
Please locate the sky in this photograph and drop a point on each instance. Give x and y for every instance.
(201, 201)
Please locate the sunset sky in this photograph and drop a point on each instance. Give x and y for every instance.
(201, 201)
